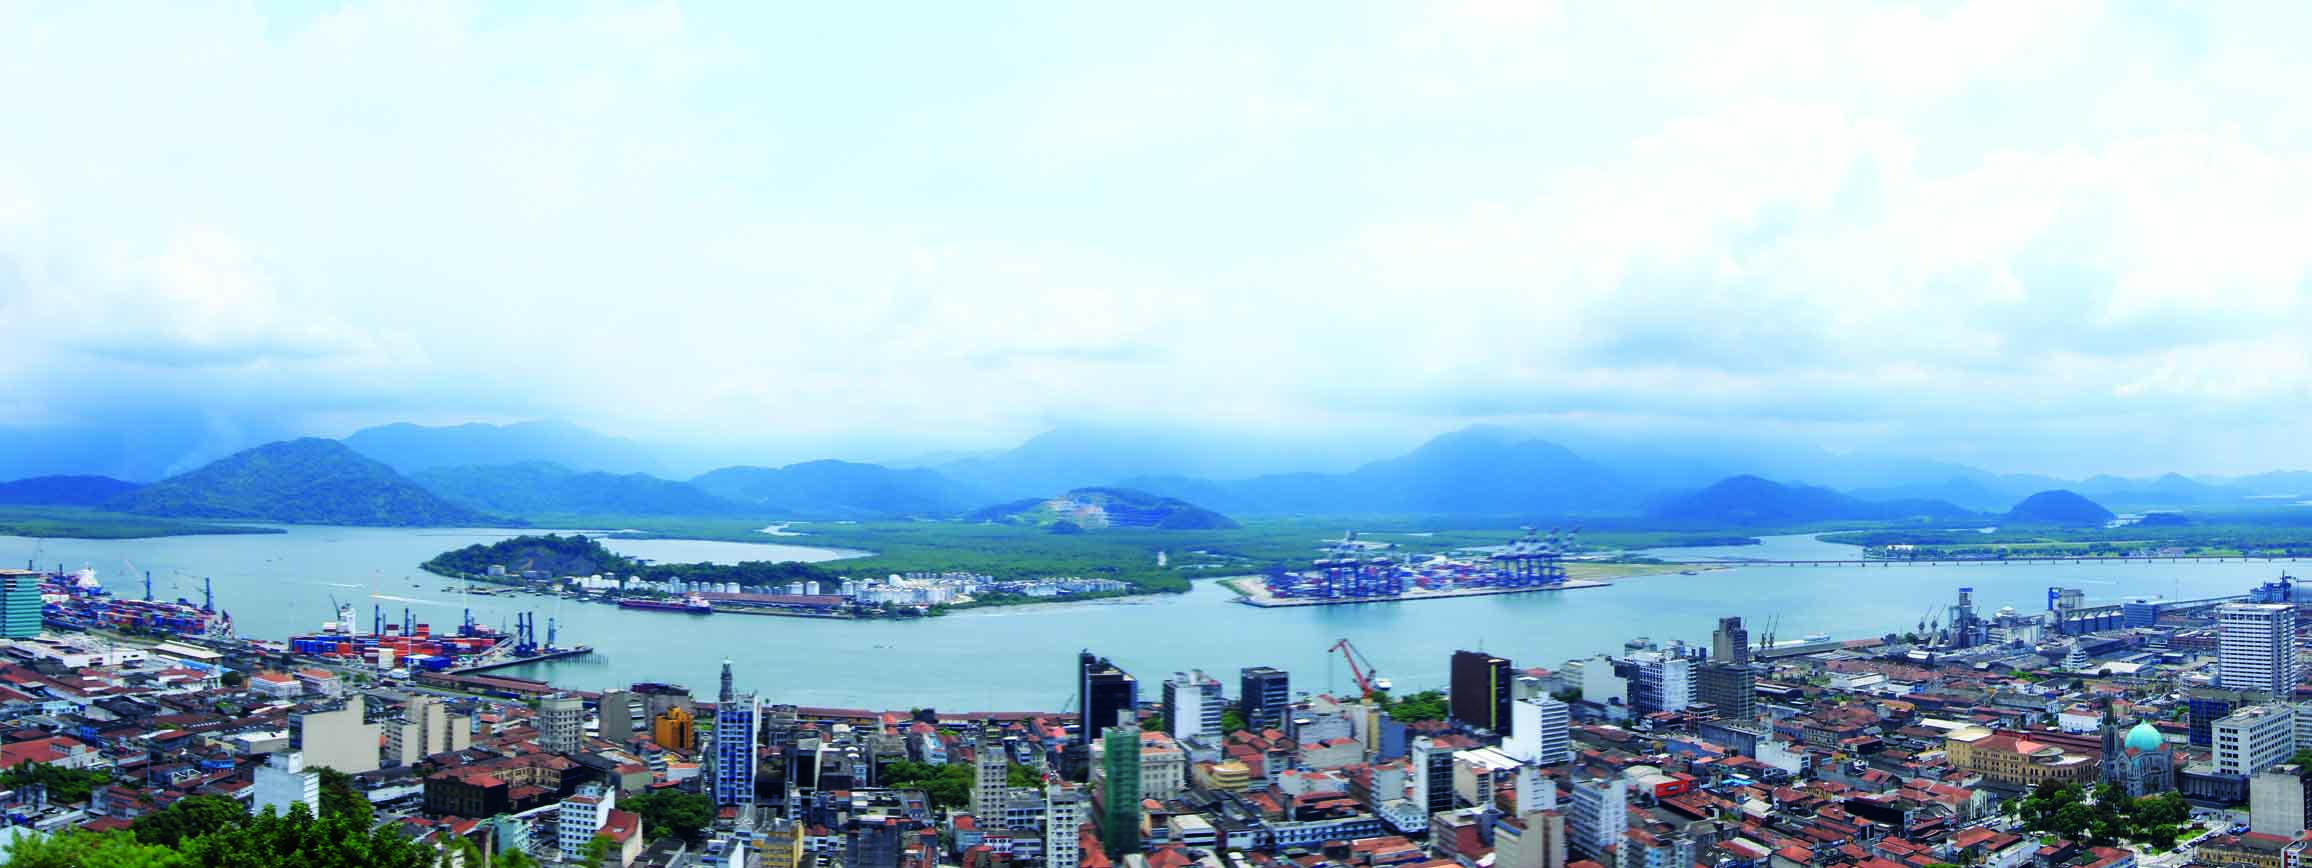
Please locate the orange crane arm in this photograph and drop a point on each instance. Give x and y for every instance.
(1363, 674)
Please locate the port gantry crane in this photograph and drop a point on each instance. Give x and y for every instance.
(1369, 680)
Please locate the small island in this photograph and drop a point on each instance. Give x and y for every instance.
(580, 567)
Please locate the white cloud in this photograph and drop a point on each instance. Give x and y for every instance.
(748, 224)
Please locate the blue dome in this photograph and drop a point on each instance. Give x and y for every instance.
(2144, 738)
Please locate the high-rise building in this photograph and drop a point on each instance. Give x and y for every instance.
(2206, 705)
(19, 604)
(1966, 626)
(1192, 706)
(733, 759)
(580, 817)
(2254, 738)
(1432, 777)
(1120, 793)
(562, 723)
(1063, 817)
(1104, 693)
(341, 739)
(1540, 732)
(426, 728)
(283, 781)
(1264, 696)
(1659, 681)
(1731, 643)
(991, 779)
(1599, 815)
(2280, 801)
(1532, 839)
(675, 730)
(1732, 688)
(1479, 691)
(623, 714)
(2256, 648)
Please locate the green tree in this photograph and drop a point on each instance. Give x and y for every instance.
(2159, 837)
(1152, 723)
(1415, 707)
(79, 848)
(340, 799)
(2164, 809)
(672, 813)
(1231, 721)
(512, 859)
(947, 786)
(65, 786)
(234, 679)
(597, 850)
(301, 840)
(190, 817)
(1023, 777)
(2072, 820)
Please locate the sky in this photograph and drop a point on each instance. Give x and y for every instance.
(2050, 237)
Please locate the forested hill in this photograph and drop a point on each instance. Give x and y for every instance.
(305, 481)
(1107, 507)
(578, 555)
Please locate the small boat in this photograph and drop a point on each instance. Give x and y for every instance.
(1815, 637)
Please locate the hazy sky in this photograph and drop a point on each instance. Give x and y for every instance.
(2032, 236)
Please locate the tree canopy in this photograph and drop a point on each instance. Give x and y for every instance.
(1415, 707)
(65, 786)
(2065, 810)
(267, 840)
(672, 813)
(947, 786)
(190, 817)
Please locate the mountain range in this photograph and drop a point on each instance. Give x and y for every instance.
(410, 474)
(544, 488)
(1750, 501)
(839, 489)
(411, 448)
(64, 490)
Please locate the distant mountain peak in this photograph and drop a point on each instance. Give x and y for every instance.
(308, 480)
(2059, 507)
(1105, 507)
(1747, 499)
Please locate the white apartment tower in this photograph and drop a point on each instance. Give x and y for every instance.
(991, 783)
(283, 781)
(2254, 738)
(1599, 815)
(580, 817)
(2256, 648)
(1540, 731)
(1063, 816)
(1192, 705)
(562, 723)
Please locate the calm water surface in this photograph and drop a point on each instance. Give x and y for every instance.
(1019, 658)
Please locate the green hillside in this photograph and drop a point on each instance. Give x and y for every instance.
(1097, 508)
(305, 481)
(2059, 507)
(534, 488)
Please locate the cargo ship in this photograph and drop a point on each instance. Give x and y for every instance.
(692, 604)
